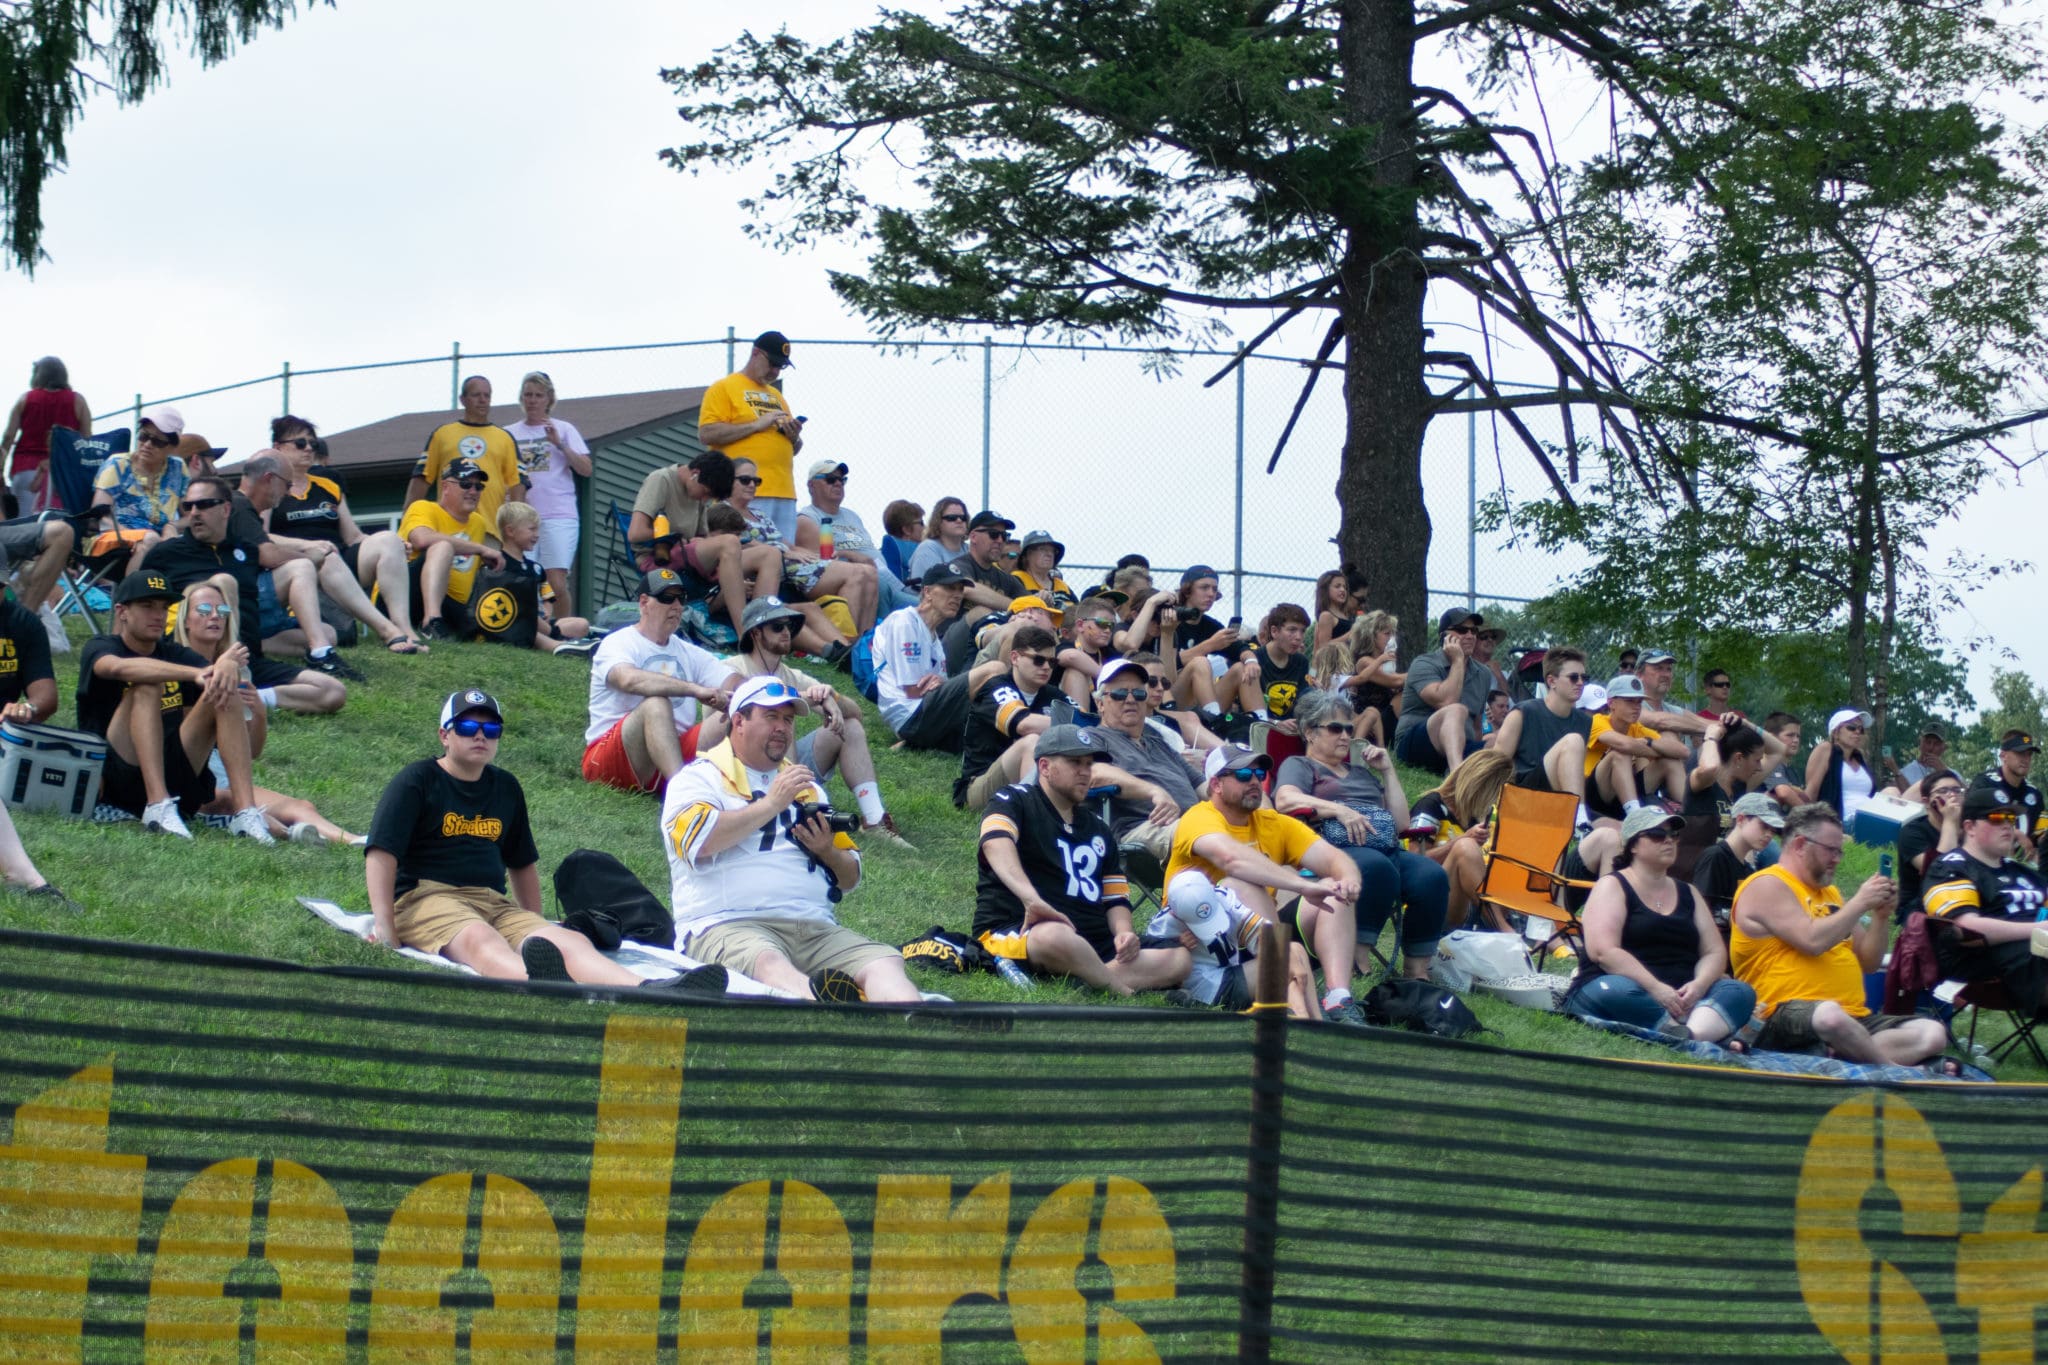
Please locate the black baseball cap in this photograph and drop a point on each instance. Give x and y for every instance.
(1456, 617)
(464, 469)
(945, 576)
(1985, 799)
(469, 699)
(986, 520)
(145, 586)
(776, 347)
(2019, 741)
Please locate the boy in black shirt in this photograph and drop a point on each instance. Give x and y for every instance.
(163, 709)
(1282, 665)
(1052, 892)
(1006, 718)
(1755, 820)
(449, 833)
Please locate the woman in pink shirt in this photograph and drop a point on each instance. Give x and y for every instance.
(551, 453)
(48, 403)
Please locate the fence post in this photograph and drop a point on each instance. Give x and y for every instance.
(137, 426)
(1262, 1168)
(731, 338)
(988, 380)
(1237, 516)
(455, 376)
(286, 375)
(1471, 512)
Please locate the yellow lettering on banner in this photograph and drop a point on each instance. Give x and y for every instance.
(208, 1234)
(522, 1256)
(632, 1162)
(729, 1250)
(1855, 1147)
(422, 1248)
(2002, 1273)
(64, 1199)
(1049, 1315)
(928, 1255)
(519, 1253)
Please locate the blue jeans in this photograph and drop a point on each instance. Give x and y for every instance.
(1619, 1000)
(1401, 878)
(893, 596)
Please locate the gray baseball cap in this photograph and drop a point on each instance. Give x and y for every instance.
(1069, 741)
(1762, 807)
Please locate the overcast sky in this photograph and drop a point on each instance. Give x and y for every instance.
(379, 180)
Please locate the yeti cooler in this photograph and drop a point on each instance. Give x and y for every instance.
(44, 767)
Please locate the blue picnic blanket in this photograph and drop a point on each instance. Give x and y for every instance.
(1789, 1063)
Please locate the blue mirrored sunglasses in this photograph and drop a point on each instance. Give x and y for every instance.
(469, 727)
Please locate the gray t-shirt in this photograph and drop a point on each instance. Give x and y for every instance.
(1429, 669)
(1357, 787)
(931, 552)
(848, 531)
(1149, 757)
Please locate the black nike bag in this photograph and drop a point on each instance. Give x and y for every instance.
(602, 900)
(1420, 1006)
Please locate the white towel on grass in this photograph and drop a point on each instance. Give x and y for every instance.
(644, 960)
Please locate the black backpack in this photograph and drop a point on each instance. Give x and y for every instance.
(602, 900)
(1421, 1006)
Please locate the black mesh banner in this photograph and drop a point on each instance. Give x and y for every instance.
(218, 1159)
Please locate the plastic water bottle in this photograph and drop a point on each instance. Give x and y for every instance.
(1009, 971)
(824, 537)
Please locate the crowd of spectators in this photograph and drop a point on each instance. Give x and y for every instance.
(1107, 733)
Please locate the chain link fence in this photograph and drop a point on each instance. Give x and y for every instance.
(1111, 449)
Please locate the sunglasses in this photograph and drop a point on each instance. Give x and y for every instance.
(200, 504)
(1333, 728)
(748, 479)
(1657, 836)
(834, 479)
(210, 609)
(1572, 677)
(785, 626)
(2003, 817)
(1158, 682)
(470, 485)
(301, 442)
(954, 516)
(159, 440)
(469, 727)
(1100, 622)
(1042, 660)
(1718, 682)
(1853, 729)
(1243, 774)
(774, 694)
(668, 599)
(1127, 693)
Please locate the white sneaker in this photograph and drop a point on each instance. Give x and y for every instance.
(163, 817)
(304, 833)
(249, 824)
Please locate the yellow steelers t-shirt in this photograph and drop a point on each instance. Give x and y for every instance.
(433, 516)
(1603, 724)
(737, 398)
(1282, 838)
(491, 446)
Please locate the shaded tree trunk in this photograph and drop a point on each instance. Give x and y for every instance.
(1385, 527)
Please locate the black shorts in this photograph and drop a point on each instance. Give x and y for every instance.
(349, 555)
(1609, 807)
(454, 615)
(269, 672)
(1532, 779)
(121, 781)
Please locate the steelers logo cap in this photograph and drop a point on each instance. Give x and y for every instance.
(467, 700)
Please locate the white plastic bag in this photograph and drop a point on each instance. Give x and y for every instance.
(1484, 956)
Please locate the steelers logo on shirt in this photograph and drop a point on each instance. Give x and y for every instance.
(497, 610)
(471, 448)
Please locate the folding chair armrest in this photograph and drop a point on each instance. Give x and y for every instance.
(1552, 873)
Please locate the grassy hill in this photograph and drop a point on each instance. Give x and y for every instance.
(229, 895)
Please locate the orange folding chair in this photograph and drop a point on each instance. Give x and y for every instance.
(1527, 838)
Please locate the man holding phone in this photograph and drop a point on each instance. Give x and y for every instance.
(1444, 698)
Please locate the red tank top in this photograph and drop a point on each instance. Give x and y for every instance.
(44, 409)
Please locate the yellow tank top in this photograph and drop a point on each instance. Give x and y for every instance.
(1780, 972)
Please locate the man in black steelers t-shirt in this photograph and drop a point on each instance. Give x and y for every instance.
(207, 551)
(1988, 904)
(1052, 893)
(163, 709)
(450, 833)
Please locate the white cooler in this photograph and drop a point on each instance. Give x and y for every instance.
(1880, 819)
(45, 767)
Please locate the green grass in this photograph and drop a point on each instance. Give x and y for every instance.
(229, 895)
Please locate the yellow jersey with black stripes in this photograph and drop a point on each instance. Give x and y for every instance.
(1072, 864)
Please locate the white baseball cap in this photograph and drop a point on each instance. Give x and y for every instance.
(1592, 697)
(1197, 904)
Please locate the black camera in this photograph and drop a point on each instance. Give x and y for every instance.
(837, 821)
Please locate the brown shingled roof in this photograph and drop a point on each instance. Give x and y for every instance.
(394, 443)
